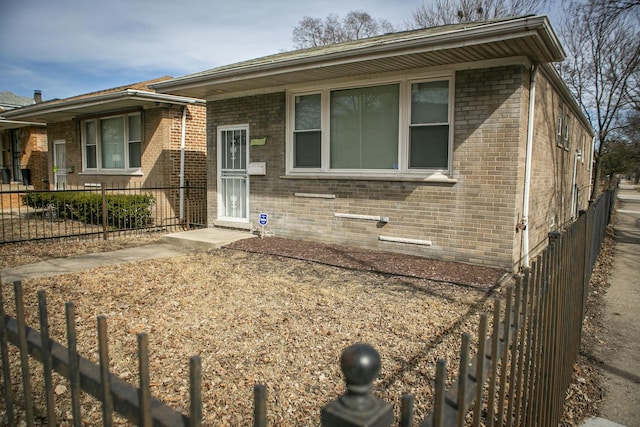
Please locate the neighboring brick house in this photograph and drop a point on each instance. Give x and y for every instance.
(424, 142)
(23, 145)
(127, 136)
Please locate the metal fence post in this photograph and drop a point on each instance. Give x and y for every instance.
(360, 364)
(104, 211)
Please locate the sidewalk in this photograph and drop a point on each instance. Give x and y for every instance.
(621, 319)
(175, 244)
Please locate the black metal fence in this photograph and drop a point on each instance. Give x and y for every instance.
(98, 211)
(521, 371)
(518, 375)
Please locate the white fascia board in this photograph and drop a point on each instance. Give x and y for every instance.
(13, 124)
(162, 97)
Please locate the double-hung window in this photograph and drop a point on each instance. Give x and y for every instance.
(307, 132)
(112, 143)
(429, 134)
(390, 128)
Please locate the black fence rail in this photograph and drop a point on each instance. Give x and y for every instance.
(134, 404)
(98, 211)
(518, 375)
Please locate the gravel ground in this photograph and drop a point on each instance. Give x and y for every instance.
(272, 311)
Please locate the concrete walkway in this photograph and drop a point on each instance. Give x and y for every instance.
(175, 244)
(621, 319)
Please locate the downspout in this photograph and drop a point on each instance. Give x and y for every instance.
(590, 159)
(574, 193)
(182, 148)
(527, 168)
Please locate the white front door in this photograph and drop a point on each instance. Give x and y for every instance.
(59, 164)
(233, 180)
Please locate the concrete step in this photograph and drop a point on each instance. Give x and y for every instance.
(206, 238)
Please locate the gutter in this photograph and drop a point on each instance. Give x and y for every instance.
(527, 169)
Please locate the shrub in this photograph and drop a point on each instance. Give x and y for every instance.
(123, 211)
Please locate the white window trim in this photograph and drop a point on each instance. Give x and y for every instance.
(560, 130)
(110, 171)
(567, 131)
(403, 170)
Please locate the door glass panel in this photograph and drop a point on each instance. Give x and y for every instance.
(235, 147)
(60, 161)
(60, 156)
(234, 201)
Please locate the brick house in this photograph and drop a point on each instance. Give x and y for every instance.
(457, 143)
(23, 145)
(125, 136)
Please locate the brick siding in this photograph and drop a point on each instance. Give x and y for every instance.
(160, 149)
(473, 220)
(552, 166)
(470, 221)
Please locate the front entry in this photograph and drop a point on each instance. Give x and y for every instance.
(59, 165)
(233, 180)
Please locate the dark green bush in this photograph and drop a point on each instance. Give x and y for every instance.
(123, 211)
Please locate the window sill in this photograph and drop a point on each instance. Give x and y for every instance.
(112, 173)
(435, 178)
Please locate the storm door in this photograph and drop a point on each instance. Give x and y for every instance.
(59, 165)
(233, 182)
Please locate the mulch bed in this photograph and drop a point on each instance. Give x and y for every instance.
(374, 261)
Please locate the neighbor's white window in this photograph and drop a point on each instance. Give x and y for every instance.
(112, 143)
(388, 128)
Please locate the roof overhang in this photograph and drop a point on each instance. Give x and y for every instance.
(528, 37)
(6, 124)
(68, 109)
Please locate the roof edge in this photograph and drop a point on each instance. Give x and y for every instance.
(458, 35)
(553, 75)
(63, 105)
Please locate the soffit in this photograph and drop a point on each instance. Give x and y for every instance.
(529, 37)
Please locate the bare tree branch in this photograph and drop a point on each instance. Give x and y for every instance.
(313, 32)
(602, 68)
(443, 12)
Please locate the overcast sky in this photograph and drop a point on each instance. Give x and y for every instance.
(71, 47)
